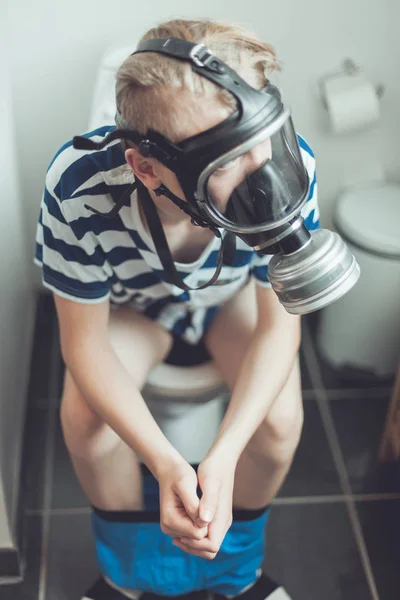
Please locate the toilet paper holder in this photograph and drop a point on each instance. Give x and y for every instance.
(349, 67)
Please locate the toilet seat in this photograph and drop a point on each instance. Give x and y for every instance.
(369, 216)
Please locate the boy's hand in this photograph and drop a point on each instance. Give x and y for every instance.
(216, 482)
(179, 502)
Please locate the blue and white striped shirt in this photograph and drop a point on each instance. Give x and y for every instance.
(87, 259)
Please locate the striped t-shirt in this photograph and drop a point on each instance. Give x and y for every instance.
(88, 258)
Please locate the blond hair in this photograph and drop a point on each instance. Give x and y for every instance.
(146, 83)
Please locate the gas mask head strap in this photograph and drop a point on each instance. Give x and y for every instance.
(226, 253)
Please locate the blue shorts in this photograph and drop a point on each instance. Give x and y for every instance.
(133, 552)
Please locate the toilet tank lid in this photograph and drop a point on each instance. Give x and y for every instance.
(369, 216)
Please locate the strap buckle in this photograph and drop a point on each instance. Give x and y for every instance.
(196, 56)
(202, 57)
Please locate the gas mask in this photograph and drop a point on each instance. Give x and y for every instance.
(244, 177)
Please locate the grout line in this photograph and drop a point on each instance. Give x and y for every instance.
(49, 464)
(351, 393)
(34, 512)
(82, 510)
(283, 501)
(308, 394)
(337, 498)
(326, 416)
(11, 580)
(376, 497)
(291, 500)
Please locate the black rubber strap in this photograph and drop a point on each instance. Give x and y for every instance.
(174, 47)
(228, 245)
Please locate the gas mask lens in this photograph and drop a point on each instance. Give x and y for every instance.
(260, 183)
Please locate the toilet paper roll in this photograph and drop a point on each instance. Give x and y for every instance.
(352, 103)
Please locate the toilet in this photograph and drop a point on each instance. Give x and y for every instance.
(188, 404)
(361, 330)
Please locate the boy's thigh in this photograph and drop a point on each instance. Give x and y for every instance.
(139, 342)
(231, 330)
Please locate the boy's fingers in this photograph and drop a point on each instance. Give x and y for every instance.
(186, 488)
(190, 533)
(189, 550)
(176, 522)
(211, 488)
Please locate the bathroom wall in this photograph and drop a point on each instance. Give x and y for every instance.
(17, 305)
(56, 47)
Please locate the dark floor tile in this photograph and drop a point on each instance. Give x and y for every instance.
(381, 527)
(359, 424)
(71, 563)
(313, 471)
(59, 383)
(33, 459)
(10, 563)
(66, 492)
(311, 322)
(312, 552)
(350, 378)
(56, 377)
(39, 391)
(306, 384)
(28, 589)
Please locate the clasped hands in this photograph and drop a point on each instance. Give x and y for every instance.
(197, 526)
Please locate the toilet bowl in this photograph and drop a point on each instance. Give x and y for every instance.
(188, 404)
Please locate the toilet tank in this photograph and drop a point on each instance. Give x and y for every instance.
(102, 111)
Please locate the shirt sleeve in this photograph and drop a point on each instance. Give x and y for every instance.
(73, 264)
(309, 212)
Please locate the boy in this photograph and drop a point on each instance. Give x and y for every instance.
(119, 317)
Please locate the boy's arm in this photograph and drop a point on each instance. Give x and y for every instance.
(265, 369)
(105, 383)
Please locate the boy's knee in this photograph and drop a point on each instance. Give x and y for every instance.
(82, 427)
(279, 434)
(284, 426)
(74, 410)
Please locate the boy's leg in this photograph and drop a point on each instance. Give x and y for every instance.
(265, 461)
(263, 464)
(268, 456)
(106, 467)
